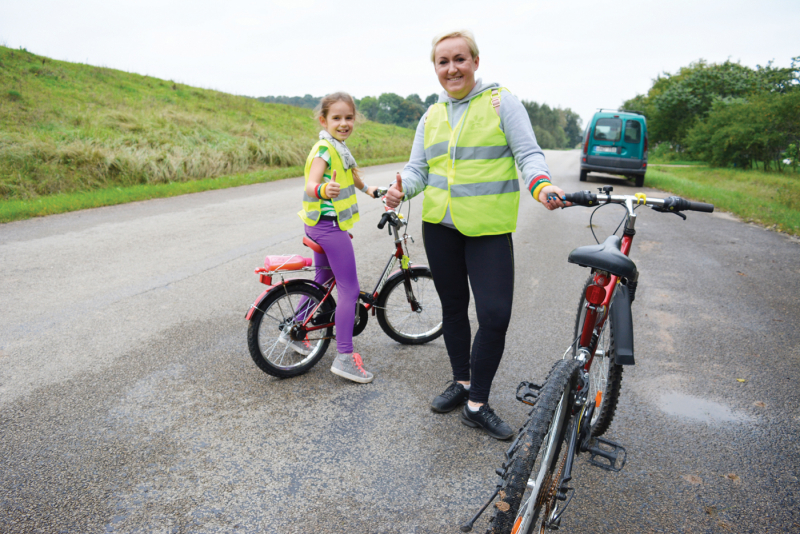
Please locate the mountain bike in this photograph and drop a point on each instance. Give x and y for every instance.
(298, 309)
(575, 404)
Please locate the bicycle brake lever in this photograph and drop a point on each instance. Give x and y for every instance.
(662, 210)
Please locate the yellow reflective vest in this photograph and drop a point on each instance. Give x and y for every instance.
(471, 168)
(345, 204)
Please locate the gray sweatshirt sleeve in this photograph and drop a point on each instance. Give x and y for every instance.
(415, 173)
(516, 125)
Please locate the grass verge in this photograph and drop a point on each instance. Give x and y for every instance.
(771, 199)
(14, 210)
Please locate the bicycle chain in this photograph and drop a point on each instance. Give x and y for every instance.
(552, 491)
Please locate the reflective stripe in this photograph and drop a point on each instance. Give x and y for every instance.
(485, 188)
(483, 152)
(348, 213)
(307, 198)
(347, 192)
(313, 215)
(436, 150)
(437, 181)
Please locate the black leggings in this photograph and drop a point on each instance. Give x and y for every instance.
(486, 263)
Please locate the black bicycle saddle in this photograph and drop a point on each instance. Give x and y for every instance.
(605, 257)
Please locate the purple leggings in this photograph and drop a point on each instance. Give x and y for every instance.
(341, 259)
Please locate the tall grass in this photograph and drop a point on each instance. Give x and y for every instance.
(67, 128)
(768, 198)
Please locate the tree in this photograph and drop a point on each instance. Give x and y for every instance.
(369, 107)
(676, 102)
(431, 100)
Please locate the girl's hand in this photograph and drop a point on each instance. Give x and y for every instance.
(371, 190)
(332, 188)
(551, 196)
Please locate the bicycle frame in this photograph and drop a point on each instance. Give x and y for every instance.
(368, 301)
(597, 314)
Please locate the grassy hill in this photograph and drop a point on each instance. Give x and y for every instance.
(67, 127)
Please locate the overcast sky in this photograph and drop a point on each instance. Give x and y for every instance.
(577, 54)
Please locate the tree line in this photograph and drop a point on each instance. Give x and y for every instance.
(554, 127)
(726, 114)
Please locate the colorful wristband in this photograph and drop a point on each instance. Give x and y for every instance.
(322, 189)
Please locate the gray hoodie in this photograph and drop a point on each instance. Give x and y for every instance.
(515, 124)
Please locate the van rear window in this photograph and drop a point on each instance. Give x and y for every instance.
(607, 129)
(633, 132)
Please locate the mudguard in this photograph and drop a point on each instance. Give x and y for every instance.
(292, 282)
(622, 319)
(399, 274)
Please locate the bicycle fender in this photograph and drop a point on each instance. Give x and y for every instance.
(623, 326)
(413, 267)
(293, 282)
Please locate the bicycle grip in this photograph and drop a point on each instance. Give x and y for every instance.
(384, 219)
(581, 198)
(700, 206)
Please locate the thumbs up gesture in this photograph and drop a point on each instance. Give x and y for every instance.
(332, 188)
(395, 194)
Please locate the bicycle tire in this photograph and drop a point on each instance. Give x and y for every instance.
(397, 318)
(605, 374)
(539, 442)
(277, 313)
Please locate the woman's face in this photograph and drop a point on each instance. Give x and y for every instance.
(340, 120)
(455, 67)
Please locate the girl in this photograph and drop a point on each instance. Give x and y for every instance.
(329, 211)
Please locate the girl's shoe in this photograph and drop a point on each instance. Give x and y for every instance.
(351, 367)
(302, 347)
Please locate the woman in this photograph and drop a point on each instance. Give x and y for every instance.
(471, 187)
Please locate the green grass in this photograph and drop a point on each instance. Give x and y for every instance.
(771, 199)
(14, 210)
(69, 129)
(674, 162)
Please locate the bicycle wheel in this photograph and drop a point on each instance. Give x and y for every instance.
(399, 320)
(277, 323)
(604, 374)
(539, 445)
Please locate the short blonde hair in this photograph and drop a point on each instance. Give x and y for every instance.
(464, 34)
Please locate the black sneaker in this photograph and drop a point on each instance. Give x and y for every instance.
(455, 395)
(486, 419)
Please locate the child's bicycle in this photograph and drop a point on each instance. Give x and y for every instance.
(302, 310)
(576, 403)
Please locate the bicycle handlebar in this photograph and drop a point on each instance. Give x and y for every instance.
(671, 204)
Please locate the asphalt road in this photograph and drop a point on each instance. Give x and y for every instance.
(129, 402)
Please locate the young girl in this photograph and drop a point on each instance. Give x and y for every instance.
(329, 211)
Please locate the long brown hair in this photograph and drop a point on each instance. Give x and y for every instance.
(324, 107)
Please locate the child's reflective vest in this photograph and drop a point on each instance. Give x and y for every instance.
(345, 204)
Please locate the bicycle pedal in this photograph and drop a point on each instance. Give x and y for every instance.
(528, 392)
(613, 453)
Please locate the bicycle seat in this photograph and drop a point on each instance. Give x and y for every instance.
(605, 257)
(316, 247)
(313, 245)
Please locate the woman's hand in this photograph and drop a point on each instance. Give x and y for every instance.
(395, 193)
(551, 196)
(371, 190)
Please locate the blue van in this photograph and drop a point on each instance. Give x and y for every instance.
(615, 142)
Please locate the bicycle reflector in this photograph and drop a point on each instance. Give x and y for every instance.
(595, 294)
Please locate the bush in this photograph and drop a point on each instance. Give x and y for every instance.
(742, 133)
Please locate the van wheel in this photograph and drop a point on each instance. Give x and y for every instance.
(584, 174)
(640, 180)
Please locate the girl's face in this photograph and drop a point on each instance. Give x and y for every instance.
(340, 120)
(455, 67)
